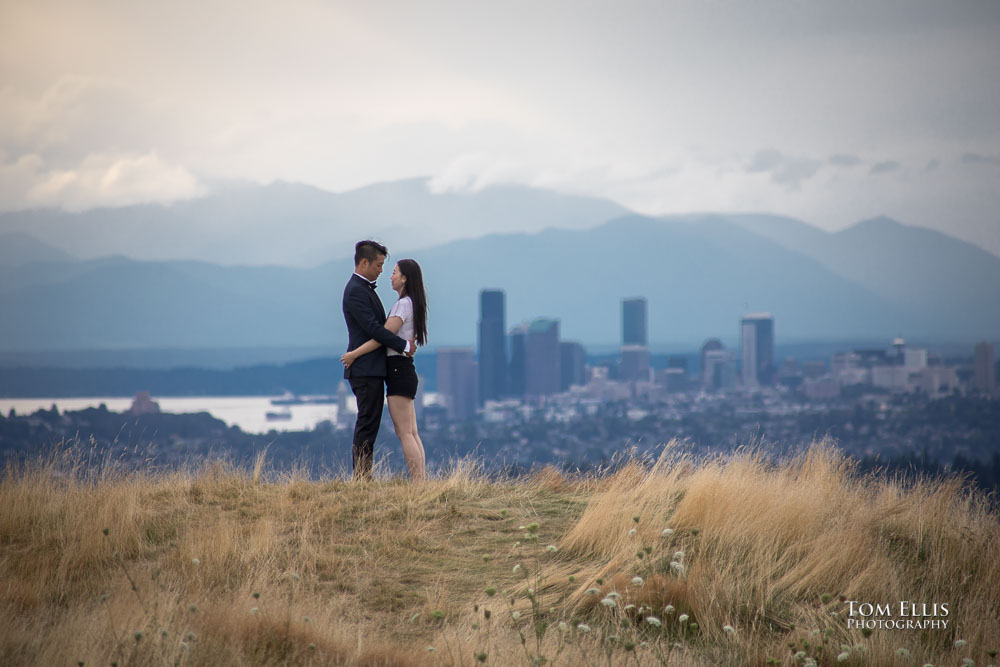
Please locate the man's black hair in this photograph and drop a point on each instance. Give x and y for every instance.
(369, 250)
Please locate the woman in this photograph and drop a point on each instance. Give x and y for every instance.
(408, 320)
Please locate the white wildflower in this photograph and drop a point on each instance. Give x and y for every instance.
(516, 615)
(593, 591)
(633, 531)
(669, 609)
(843, 657)
(961, 643)
(583, 627)
(677, 567)
(608, 602)
(667, 532)
(729, 630)
(654, 621)
(637, 581)
(679, 556)
(552, 548)
(683, 618)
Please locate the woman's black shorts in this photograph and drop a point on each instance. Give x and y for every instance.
(401, 378)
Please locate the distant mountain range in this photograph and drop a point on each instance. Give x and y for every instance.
(290, 224)
(700, 273)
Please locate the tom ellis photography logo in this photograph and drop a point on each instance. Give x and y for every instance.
(903, 616)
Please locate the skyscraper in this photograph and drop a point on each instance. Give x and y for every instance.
(635, 363)
(518, 362)
(984, 378)
(492, 346)
(710, 345)
(634, 330)
(535, 358)
(572, 365)
(757, 349)
(635, 341)
(542, 358)
(456, 379)
(717, 372)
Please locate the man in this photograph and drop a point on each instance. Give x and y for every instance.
(365, 317)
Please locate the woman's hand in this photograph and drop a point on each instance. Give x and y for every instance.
(348, 359)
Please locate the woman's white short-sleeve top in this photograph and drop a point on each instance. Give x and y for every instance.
(403, 309)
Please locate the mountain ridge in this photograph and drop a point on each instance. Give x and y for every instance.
(700, 274)
(293, 224)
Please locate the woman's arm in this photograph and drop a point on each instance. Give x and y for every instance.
(393, 324)
(358, 306)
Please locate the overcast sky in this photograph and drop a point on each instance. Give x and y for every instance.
(831, 112)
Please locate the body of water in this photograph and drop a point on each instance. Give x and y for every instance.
(249, 413)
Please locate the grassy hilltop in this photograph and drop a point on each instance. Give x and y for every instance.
(731, 561)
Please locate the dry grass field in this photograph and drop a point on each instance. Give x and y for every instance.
(731, 561)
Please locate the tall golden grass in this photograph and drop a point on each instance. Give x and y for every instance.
(223, 566)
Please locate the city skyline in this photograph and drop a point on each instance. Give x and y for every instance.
(542, 366)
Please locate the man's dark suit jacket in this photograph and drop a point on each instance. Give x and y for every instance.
(365, 319)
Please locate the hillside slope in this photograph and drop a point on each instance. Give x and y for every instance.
(728, 561)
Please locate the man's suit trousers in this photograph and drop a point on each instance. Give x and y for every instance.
(370, 393)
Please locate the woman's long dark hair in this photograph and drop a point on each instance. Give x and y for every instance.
(414, 288)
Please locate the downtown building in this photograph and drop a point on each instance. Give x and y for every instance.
(757, 349)
(457, 382)
(535, 359)
(492, 341)
(635, 340)
(572, 365)
(984, 372)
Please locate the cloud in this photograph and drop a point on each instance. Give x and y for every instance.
(76, 116)
(977, 160)
(843, 160)
(100, 180)
(784, 170)
(886, 167)
(476, 171)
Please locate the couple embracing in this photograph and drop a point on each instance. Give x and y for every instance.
(379, 360)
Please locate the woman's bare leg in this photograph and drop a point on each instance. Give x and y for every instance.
(404, 419)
